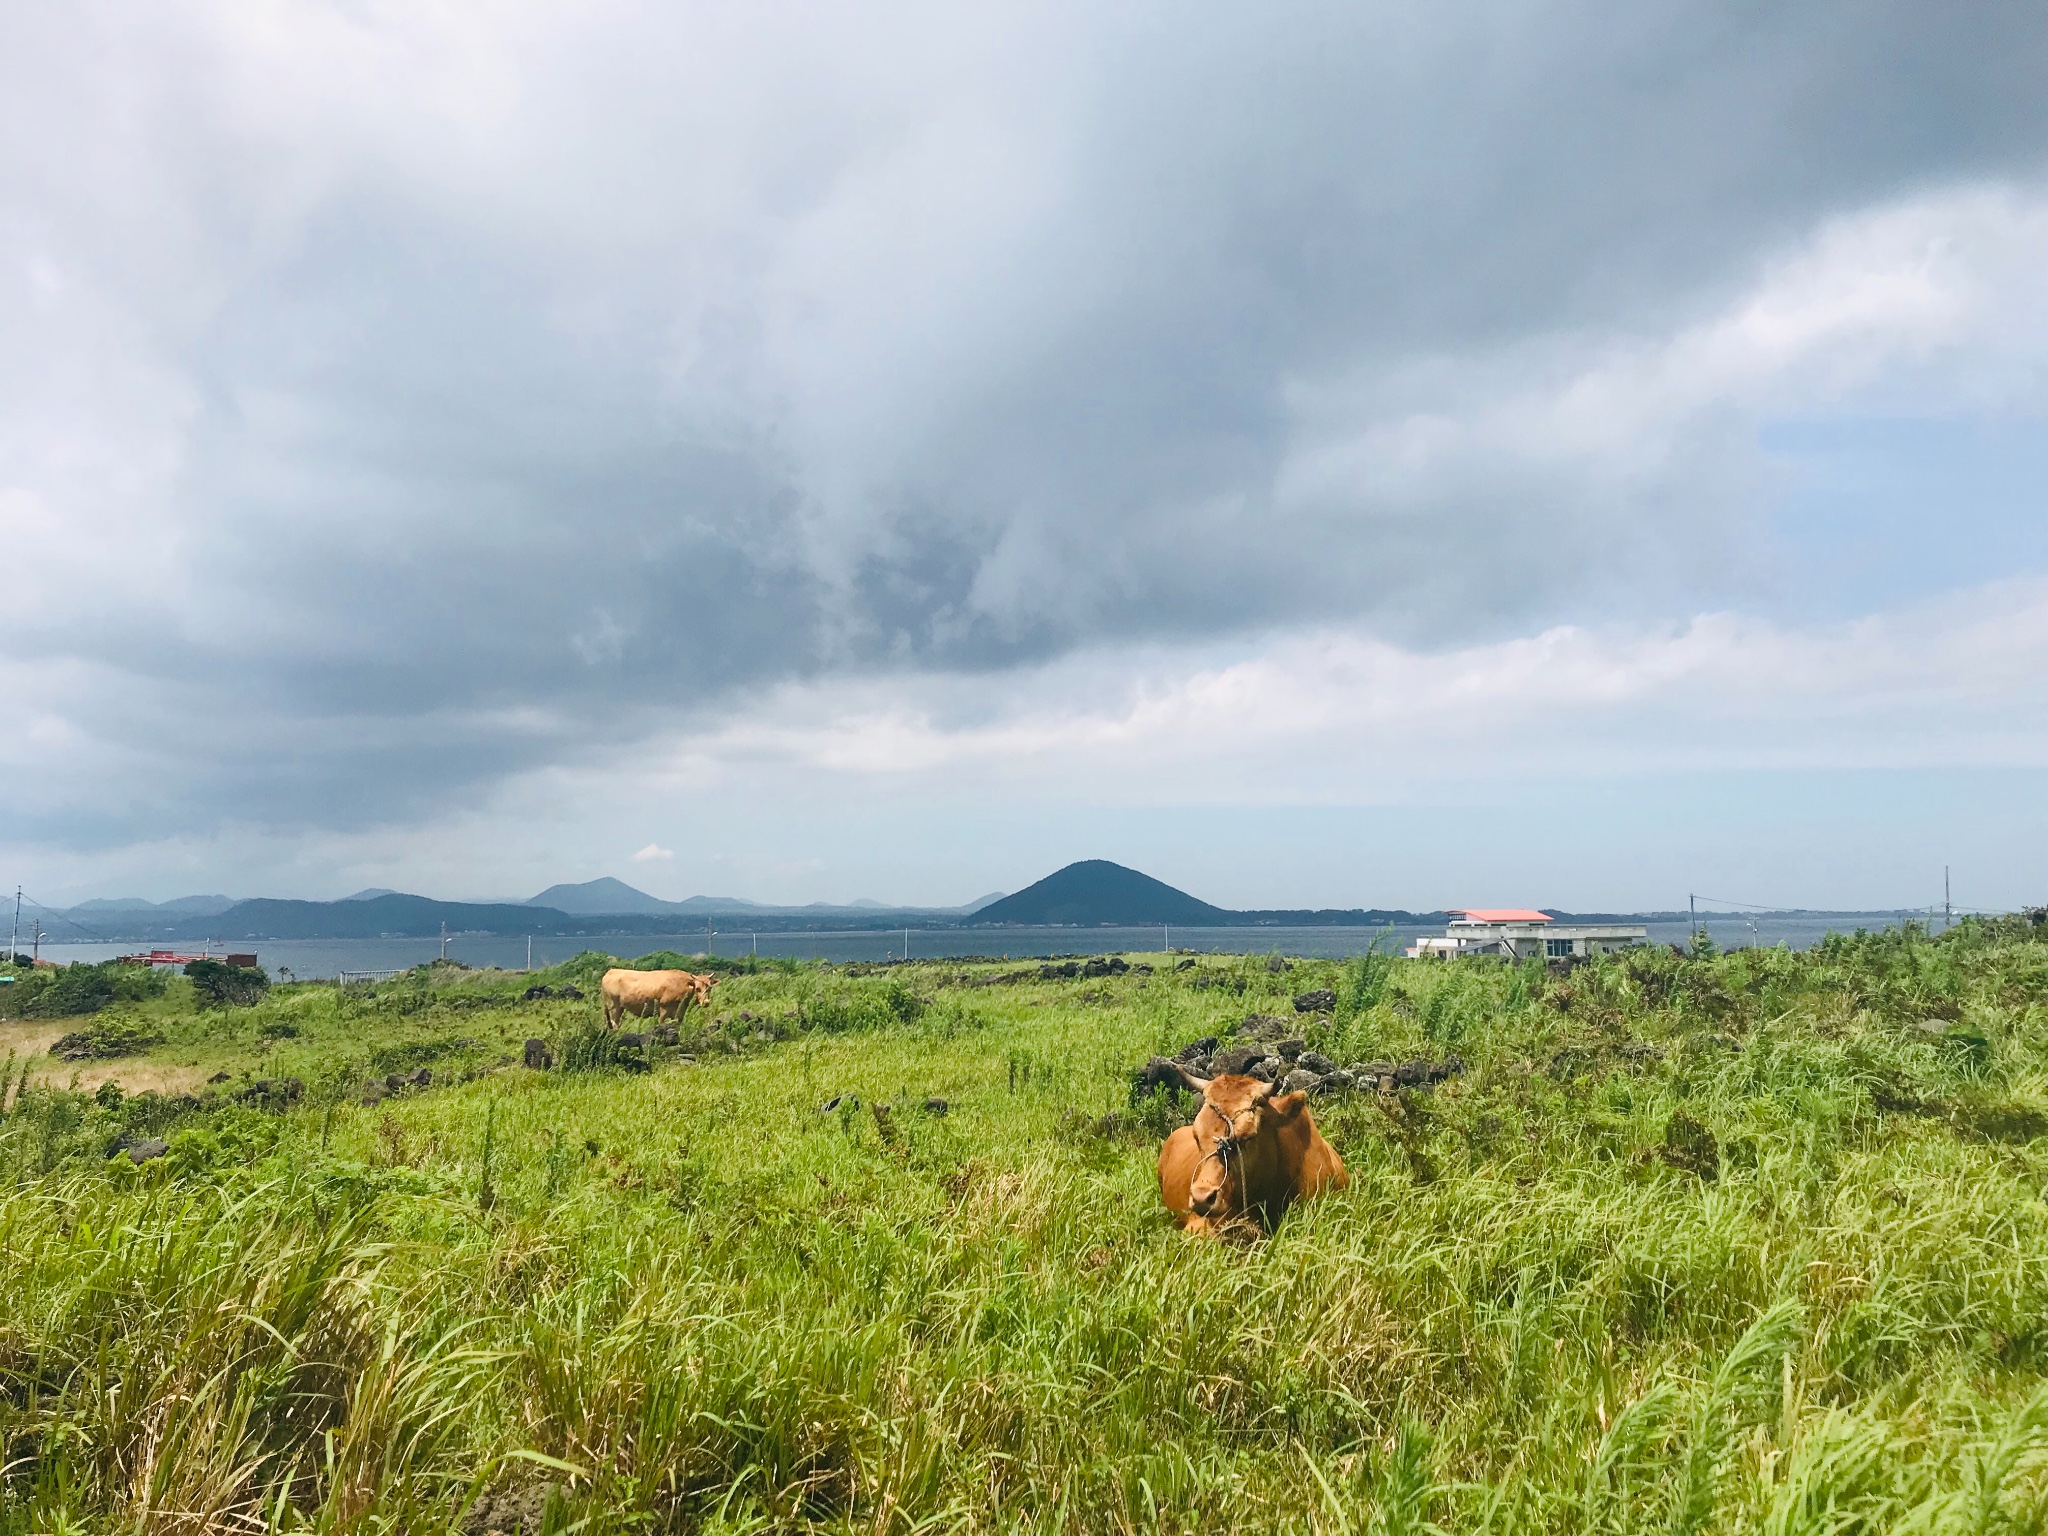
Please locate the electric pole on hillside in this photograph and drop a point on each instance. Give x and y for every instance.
(14, 934)
(1692, 906)
(1948, 911)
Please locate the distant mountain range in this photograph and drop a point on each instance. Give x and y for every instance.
(594, 907)
(1091, 893)
(606, 896)
(195, 906)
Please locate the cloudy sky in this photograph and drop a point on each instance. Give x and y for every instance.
(1335, 454)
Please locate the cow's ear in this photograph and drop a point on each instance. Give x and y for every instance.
(1286, 1105)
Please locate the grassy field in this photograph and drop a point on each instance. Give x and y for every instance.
(1742, 1242)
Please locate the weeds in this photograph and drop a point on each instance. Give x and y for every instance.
(1750, 1242)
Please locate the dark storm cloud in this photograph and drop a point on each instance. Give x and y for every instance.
(531, 389)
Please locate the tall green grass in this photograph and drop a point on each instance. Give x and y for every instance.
(1750, 1242)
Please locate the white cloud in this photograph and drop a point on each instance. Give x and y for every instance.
(1336, 716)
(405, 407)
(1932, 304)
(653, 853)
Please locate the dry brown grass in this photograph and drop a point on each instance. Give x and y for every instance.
(131, 1076)
(29, 1041)
(32, 1037)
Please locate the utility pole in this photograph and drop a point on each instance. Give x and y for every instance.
(444, 941)
(36, 957)
(1692, 905)
(529, 954)
(1948, 911)
(906, 943)
(14, 936)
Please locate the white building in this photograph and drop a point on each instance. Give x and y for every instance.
(1515, 933)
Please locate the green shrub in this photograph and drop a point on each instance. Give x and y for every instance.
(58, 994)
(104, 1039)
(587, 1045)
(220, 985)
(861, 1006)
(1364, 981)
(1453, 1006)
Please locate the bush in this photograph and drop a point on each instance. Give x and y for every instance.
(861, 1007)
(76, 989)
(218, 984)
(1364, 981)
(587, 1046)
(105, 1039)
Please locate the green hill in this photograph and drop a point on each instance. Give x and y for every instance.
(1095, 892)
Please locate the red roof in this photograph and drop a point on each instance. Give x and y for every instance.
(1500, 914)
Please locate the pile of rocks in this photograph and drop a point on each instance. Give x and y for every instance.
(1263, 1047)
(275, 1094)
(1057, 970)
(395, 1082)
(661, 1034)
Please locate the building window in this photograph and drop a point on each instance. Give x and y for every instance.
(1557, 948)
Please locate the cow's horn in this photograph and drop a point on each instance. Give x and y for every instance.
(1198, 1084)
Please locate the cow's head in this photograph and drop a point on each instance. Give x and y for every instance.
(1233, 1132)
(702, 987)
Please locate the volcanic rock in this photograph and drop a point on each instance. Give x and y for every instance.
(1239, 1058)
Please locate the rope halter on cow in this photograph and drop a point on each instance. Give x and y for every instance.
(1222, 1148)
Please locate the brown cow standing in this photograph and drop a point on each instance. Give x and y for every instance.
(661, 994)
(1251, 1153)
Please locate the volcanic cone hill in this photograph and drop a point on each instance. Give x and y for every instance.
(1096, 891)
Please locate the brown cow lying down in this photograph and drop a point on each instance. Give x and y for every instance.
(662, 995)
(1250, 1154)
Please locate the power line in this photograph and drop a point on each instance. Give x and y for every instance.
(64, 917)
